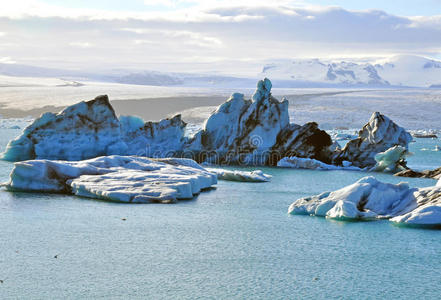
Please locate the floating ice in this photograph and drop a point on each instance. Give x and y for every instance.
(240, 131)
(257, 131)
(369, 198)
(313, 164)
(378, 135)
(114, 178)
(243, 176)
(391, 160)
(84, 130)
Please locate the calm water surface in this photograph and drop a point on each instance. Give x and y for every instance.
(235, 242)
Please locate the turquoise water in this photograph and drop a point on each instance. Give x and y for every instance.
(235, 242)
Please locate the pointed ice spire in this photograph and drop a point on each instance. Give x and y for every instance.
(263, 89)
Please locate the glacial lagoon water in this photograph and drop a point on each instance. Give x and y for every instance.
(234, 242)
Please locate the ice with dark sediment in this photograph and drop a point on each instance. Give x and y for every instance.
(369, 199)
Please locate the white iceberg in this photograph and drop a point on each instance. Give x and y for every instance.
(392, 160)
(369, 198)
(427, 211)
(114, 178)
(242, 176)
(312, 164)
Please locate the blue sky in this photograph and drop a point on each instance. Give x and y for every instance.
(397, 7)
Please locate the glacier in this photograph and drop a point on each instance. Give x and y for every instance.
(370, 199)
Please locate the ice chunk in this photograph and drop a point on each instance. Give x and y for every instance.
(313, 164)
(131, 123)
(80, 131)
(368, 195)
(369, 198)
(378, 135)
(391, 160)
(243, 176)
(114, 178)
(256, 132)
(428, 210)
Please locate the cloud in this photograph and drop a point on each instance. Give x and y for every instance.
(177, 36)
(208, 30)
(6, 60)
(81, 44)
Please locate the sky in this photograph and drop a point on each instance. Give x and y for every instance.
(190, 35)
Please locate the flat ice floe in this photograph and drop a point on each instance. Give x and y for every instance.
(242, 176)
(114, 178)
(313, 164)
(369, 198)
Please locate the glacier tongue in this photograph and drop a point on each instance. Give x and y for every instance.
(114, 178)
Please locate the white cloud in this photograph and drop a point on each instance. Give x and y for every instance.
(6, 60)
(2, 34)
(81, 44)
(178, 36)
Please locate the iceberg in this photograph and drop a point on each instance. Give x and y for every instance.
(90, 129)
(312, 164)
(153, 139)
(84, 130)
(392, 160)
(241, 131)
(256, 132)
(369, 199)
(428, 210)
(242, 176)
(129, 179)
(378, 135)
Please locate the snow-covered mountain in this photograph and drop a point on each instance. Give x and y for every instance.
(315, 70)
(400, 70)
(25, 75)
(410, 70)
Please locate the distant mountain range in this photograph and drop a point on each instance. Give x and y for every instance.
(402, 70)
